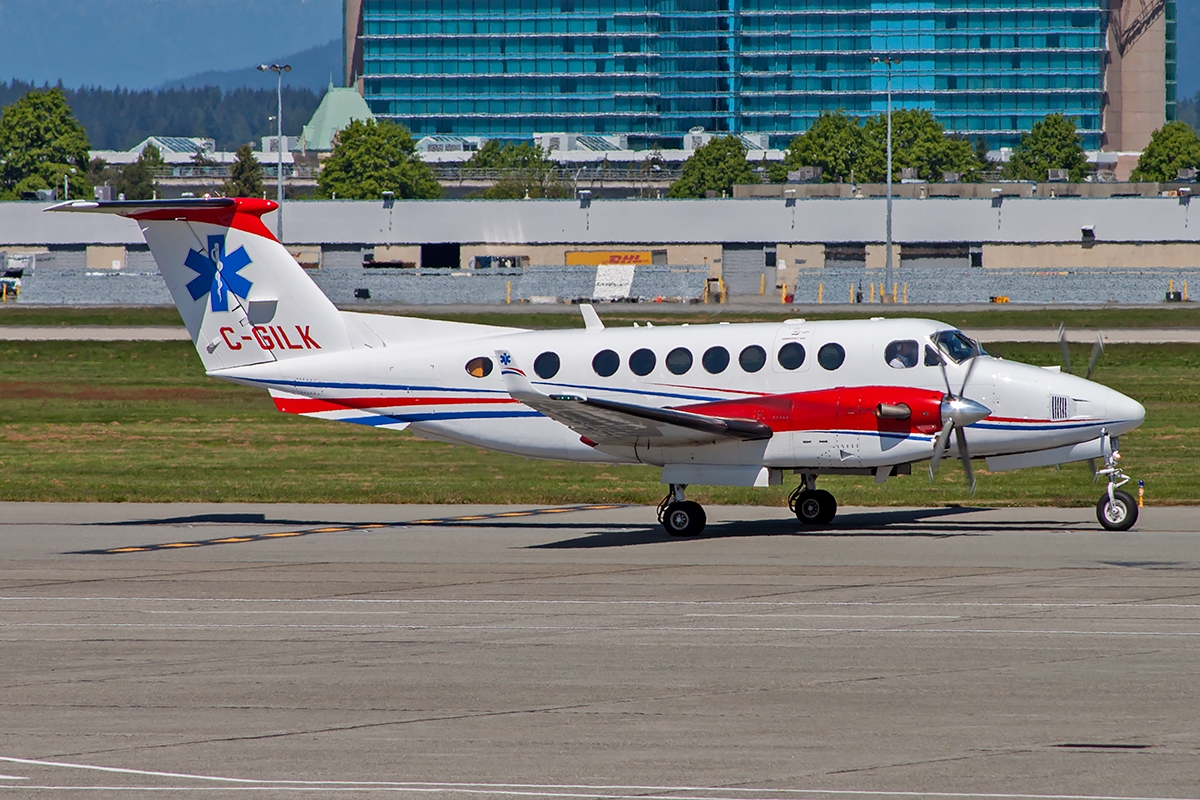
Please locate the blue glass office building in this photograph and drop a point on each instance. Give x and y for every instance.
(656, 68)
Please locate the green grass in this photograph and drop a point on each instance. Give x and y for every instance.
(1108, 317)
(139, 421)
(90, 315)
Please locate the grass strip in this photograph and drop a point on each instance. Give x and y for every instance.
(139, 421)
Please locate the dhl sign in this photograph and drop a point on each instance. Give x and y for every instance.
(594, 258)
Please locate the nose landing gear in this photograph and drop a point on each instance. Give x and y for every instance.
(1116, 509)
(810, 505)
(681, 517)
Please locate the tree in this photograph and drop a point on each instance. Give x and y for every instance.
(1052, 143)
(245, 176)
(714, 167)
(524, 172)
(136, 180)
(918, 142)
(835, 143)
(370, 158)
(40, 143)
(1172, 147)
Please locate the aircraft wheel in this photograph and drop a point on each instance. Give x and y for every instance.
(1118, 514)
(817, 507)
(684, 519)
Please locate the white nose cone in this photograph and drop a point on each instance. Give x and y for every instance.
(1125, 413)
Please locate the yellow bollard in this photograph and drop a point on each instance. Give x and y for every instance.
(1184, 291)
(1171, 286)
(851, 294)
(820, 293)
(762, 286)
(894, 293)
(704, 298)
(508, 292)
(783, 294)
(872, 291)
(721, 284)
(906, 293)
(3, 292)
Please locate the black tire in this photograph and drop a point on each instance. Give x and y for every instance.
(684, 519)
(810, 507)
(828, 507)
(1118, 515)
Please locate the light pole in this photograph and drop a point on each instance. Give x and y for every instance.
(279, 69)
(890, 61)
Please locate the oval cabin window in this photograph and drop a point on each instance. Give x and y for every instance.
(831, 356)
(642, 361)
(679, 360)
(753, 358)
(479, 367)
(715, 359)
(606, 363)
(546, 365)
(791, 355)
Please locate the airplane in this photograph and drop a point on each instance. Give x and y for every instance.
(711, 404)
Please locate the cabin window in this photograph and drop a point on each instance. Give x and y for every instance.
(753, 358)
(957, 345)
(791, 355)
(715, 359)
(479, 367)
(546, 365)
(902, 354)
(606, 363)
(642, 361)
(932, 359)
(679, 360)
(831, 356)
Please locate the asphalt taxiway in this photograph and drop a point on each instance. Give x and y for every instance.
(575, 652)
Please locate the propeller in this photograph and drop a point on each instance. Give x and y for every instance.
(957, 413)
(1093, 360)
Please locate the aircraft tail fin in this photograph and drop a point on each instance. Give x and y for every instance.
(243, 297)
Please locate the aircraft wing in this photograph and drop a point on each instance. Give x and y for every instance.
(609, 422)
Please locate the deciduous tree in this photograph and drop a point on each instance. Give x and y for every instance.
(714, 167)
(40, 143)
(1172, 147)
(1052, 143)
(524, 171)
(370, 158)
(835, 143)
(136, 180)
(918, 142)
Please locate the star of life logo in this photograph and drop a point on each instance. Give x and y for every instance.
(217, 273)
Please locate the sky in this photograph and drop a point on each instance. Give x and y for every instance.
(139, 44)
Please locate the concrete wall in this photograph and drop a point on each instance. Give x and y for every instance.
(105, 257)
(1135, 81)
(1077, 256)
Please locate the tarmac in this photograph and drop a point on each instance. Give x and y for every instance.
(579, 652)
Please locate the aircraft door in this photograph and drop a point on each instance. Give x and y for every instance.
(785, 361)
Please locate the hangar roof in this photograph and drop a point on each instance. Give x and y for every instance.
(826, 221)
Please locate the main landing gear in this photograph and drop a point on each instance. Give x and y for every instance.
(812, 506)
(1116, 510)
(679, 516)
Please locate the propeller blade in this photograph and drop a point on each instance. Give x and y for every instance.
(1062, 344)
(939, 447)
(965, 455)
(945, 377)
(1097, 349)
(970, 368)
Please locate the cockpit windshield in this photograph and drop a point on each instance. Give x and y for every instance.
(957, 345)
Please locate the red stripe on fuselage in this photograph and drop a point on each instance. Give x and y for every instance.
(310, 405)
(844, 408)
(244, 214)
